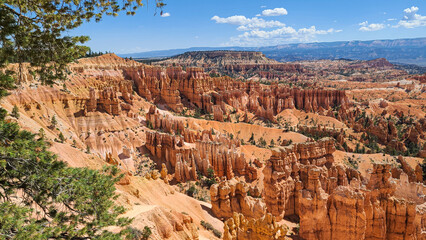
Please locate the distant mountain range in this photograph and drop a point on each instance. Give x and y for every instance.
(407, 51)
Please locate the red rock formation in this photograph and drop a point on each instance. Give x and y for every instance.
(265, 228)
(232, 196)
(108, 97)
(217, 113)
(344, 207)
(287, 172)
(165, 122)
(126, 89)
(91, 104)
(380, 63)
(421, 78)
(185, 151)
(414, 175)
(108, 101)
(170, 85)
(422, 153)
(383, 104)
(384, 129)
(155, 85)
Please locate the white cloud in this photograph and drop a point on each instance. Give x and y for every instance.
(363, 23)
(263, 6)
(274, 12)
(391, 19)
(246, 24)
(278, 36)
(260, 32)
(411, 19)
(365, 27)
(411, 10)
(165, 14)
(235, 20)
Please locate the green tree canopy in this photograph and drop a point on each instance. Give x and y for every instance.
(40, 196)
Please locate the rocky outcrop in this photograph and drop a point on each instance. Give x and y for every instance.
(108, 101)
(422, 152)
(164, 223)
(378, 63)
(312, 203)
(125, 180)
(288, 170)
(232, 196)
(416, 132)
(357, 211)
(164, 122)
(383, 104)
(384, 130)
(107, 98)
(172, 85)
(414, 175)
(185, 151)
(217, 113)
(420, 78)
(335, 202)
(185, 159)
(163, 173)
(265, 228)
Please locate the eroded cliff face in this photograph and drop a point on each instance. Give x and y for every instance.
(239, 227)
(335, 202)
(186, 152)
(232, 196)
(173, 85)
(298, 167)
(357, 211)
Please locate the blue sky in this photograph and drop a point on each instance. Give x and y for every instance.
(203, 23)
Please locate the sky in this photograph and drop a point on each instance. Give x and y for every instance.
(218, 23)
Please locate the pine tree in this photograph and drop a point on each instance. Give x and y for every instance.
(41, 134)
(15, 112)
(61, 137)
(53, 121)
(251, 140)
(40, 196)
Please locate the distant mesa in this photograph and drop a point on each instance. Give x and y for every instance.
(407, 51)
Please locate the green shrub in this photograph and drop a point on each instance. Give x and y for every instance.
(210, 227)
(15, 112)
(191, 191)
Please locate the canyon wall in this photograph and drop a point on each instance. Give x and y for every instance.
(232, 196)
(186, 151)
(335, 202)
(172, 85)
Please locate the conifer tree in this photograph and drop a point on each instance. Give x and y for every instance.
(15, 112)
(40, 196)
